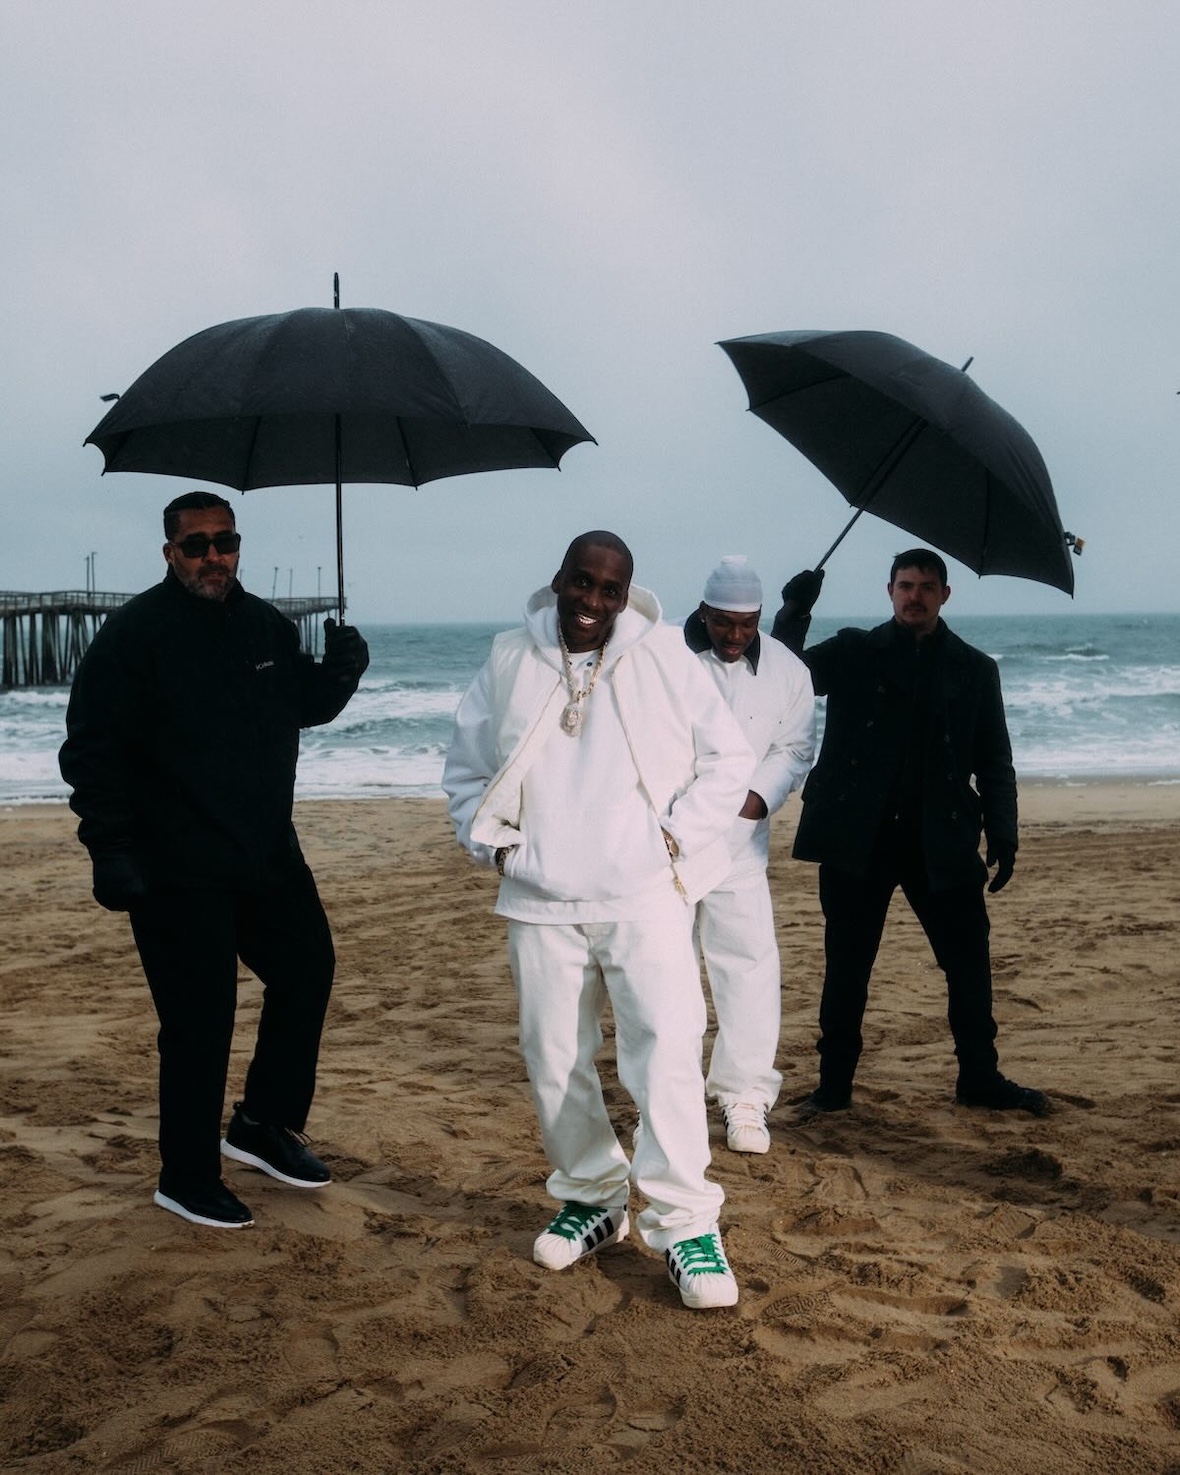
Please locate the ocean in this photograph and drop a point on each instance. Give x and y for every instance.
(1087, 697)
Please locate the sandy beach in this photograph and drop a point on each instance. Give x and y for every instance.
(925, 1289)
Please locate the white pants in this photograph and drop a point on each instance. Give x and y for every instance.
(564, 975)
(735, 934)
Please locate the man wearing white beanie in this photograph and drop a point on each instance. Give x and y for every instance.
(772, 699)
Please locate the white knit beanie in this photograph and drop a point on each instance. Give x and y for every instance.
(734, 586)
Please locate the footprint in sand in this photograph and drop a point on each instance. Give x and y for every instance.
(583, 1421)
(204, 1444)
(598, 1420)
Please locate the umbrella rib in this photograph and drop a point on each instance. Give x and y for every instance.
(985, 547)
(250, 451)
(555, 463)
(405, 445)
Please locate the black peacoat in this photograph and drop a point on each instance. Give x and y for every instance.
(966, 780)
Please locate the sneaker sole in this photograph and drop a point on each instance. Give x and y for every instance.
(174, 1206)
(808, 1111)
(715, 1299)
(748, 1147)
(239, 1155)
(1036, 1108)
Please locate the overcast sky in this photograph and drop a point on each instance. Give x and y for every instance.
(603, 190)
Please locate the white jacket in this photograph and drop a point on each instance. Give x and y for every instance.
(775, 709)
(685, 769)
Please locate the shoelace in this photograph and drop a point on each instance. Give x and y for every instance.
(571, 1222)
(701, 1256)
(745, 1114)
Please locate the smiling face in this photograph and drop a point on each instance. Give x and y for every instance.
(918, 596)
(591, 587)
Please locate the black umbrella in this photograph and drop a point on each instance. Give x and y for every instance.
(334, 394)
(915, 441)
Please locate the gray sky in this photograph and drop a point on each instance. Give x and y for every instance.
(602, 190)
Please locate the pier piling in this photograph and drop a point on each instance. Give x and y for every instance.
(46, 635)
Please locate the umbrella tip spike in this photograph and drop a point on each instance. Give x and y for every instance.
(335, 289)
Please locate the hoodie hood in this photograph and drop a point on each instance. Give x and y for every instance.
(634, 624)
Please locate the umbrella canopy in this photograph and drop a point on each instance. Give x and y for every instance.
(915, 441)
(334, 395)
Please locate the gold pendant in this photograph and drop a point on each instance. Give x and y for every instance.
(571, 719)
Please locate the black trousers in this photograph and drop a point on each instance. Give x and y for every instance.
(189, 944)
(956, 923)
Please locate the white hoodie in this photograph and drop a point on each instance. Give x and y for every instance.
(582, 816)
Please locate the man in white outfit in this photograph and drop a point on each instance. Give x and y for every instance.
(773, 702)
(596, 766)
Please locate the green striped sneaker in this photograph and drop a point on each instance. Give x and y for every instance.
(579, 1229)
(700, 1272)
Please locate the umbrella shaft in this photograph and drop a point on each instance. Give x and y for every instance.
(339, 525)
(846, 530)
(878, 478)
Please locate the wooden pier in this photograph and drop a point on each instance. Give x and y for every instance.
(46, 635)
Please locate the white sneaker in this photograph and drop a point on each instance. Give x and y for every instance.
(700, 1272)
(579, 1229)
(745, 1127)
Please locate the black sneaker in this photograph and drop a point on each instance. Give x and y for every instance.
(824, 1099)
(279, 1151)
(997, 1093)
(215, 1207)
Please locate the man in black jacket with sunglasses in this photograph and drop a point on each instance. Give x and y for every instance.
(183, 735)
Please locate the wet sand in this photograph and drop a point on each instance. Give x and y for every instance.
(925, 1288)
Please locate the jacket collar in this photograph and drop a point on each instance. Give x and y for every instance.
(890, 635)
(895, 649)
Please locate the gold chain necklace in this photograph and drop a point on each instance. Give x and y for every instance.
(572, 717)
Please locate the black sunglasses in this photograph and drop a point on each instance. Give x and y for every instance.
(196, 545)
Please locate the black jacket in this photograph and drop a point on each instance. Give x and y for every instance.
(183, 735)
(866, 771)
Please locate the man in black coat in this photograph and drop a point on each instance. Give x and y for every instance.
(183, 735)
(915, 762)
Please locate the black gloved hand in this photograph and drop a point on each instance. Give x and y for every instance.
(346, 656)
(801, 592)
(1003, 857)
(118, 881)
